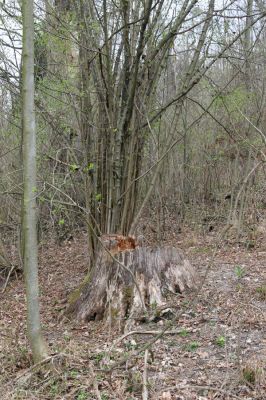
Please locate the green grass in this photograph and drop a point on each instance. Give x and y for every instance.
(183, 333)
(220, 341)
(239, 271)
(192, 346)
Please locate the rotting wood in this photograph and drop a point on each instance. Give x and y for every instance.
(115, 295)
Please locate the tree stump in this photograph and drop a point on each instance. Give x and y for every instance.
(130, 283)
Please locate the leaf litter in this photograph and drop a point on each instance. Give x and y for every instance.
(218, 352)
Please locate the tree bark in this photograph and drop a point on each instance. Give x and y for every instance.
(29, 180)
(131, 283)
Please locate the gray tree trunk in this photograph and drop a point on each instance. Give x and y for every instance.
(30, 252)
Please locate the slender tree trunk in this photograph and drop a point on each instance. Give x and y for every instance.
(30, 251)
(185, 161)
(248, 44)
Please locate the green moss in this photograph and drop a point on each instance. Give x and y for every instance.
(114, 313)
(75, 295)
(128, 293)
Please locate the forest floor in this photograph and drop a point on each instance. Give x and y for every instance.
(217, 352)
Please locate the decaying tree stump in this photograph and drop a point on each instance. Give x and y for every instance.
(134, 287)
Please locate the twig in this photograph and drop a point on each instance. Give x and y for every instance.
(224, 391)
(9, 151)
(37, 365)
(175, 332)
(145, 393)
(262, 134)
(8, 277)
(95, 384)
(245, 181)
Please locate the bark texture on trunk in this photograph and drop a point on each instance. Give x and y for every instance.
(29, 227)
(130, 283)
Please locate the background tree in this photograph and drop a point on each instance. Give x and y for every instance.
(132, 93)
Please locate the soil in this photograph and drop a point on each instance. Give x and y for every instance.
(217, 350)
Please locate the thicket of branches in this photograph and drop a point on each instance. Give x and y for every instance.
(153, 105)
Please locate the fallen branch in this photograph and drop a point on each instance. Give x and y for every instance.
(145, 393)
(175, 332)
(8, 277)
(30, 371)
(214, 389)
(95, 384)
